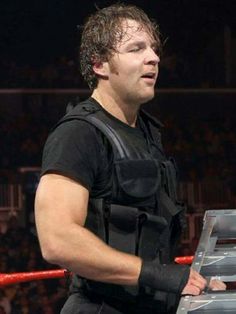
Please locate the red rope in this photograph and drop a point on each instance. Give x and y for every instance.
(8, 279)
(184, 259)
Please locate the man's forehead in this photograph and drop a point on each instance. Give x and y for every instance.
(130, 24)
(133, 30)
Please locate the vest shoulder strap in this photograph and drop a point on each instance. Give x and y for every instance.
(94, 115)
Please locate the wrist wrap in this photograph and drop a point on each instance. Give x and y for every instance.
(169, 278)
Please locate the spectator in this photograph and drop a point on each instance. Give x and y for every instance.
(4, 302)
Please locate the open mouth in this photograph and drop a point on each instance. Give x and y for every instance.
(149, 75)
(149, 78)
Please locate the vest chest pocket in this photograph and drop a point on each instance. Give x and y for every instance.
(137, 179)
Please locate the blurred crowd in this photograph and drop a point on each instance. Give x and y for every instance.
(62, 73)
(205, 151)
(20, 253)
(21, 142)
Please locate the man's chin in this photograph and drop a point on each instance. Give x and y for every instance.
(147, 97)
(140, 98)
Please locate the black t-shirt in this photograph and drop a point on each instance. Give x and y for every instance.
(79, 150)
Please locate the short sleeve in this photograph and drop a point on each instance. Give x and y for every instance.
(74, 149)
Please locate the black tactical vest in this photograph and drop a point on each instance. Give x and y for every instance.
(143, 216)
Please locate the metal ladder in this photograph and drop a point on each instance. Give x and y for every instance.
(215, 257)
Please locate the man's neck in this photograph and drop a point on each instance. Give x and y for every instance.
(127, 113)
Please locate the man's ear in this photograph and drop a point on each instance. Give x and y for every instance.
(101, 69)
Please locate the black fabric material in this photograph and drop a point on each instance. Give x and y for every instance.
(138, 178)
(122, 233)
(96, 220)
(171, 278)
(81, 303)
(74, 142)
(137, 168)
(151, 229)
(122, 167)
(70, 151)
(170, 175)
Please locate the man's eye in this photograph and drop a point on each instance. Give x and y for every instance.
(156, 50)
(135, 49)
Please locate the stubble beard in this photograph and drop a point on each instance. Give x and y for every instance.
(133, 98)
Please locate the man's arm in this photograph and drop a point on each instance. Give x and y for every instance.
(60, 212)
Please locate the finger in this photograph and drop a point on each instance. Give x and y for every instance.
(216, 284)
(221, 285)
(197, 276)
(191, 290)
(201, 284)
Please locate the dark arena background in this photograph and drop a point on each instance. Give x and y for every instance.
(39, 77)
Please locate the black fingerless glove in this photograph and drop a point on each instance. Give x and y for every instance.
(169, 278)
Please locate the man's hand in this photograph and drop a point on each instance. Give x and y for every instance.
(196, 284)
(216, 284)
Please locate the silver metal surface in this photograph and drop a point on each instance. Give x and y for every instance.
(215, 258)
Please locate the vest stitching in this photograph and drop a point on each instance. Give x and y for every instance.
(101, 308)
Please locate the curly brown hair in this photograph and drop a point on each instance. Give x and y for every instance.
(103, 31)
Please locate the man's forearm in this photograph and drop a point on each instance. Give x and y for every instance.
(83, 253)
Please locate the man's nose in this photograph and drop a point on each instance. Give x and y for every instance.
(152, 56)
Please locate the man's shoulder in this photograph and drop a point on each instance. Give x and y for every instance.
(76, 117)
(83, 109)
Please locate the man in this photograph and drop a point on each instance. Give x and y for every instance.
(106, 207)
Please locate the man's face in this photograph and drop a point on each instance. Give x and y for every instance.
(133, 69)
